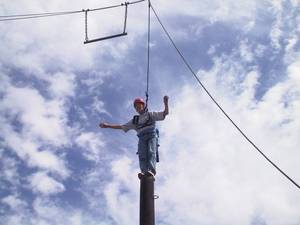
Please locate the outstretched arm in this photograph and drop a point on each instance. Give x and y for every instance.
(113, 126)
(166, 103)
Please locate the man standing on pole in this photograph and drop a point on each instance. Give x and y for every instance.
(144, 125)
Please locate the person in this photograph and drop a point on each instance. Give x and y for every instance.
(144, 125)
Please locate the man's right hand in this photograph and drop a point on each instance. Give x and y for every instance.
(166, 99)
(103, 125)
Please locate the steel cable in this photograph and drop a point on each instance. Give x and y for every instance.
(39, 15)
(217, 104)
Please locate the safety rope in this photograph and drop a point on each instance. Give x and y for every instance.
(148, 54)
(217, 104)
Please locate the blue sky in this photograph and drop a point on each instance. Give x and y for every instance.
(57, 165)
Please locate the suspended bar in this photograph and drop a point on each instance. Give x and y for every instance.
(104, 38)
(107, 37)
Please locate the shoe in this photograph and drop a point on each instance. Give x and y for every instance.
(154, 172)
(150, 173)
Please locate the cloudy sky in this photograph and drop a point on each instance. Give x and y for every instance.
(58, 167)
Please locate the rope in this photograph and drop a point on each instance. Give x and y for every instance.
(86, 24)
(125, 21)
(148, 53)
(217, 104)
(39, 15)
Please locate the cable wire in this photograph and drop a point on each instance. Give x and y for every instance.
(148, 52)
(217, 104)
(39, 15)
(11, 18)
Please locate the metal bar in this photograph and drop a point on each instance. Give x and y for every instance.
(105, 38)
(147, 211)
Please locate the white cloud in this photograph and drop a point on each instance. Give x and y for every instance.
(14, 202)
(239, 15)
(62, 84)
(31, 123)
(209, 169)
(291, 53)
(206, 168)
(9, 171)
(41, 182)
(293, 70)
(291, 43)
(29, 151)
(245, 51)
(13, 220)
(286, 17)
(276, 34)
(121, 193)
(215, 10)
(41, 118)
(47, 212)
(259, 50)
(57, 42)
(91, 144)
(98, 106)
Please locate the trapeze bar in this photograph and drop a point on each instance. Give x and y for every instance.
(105, 38)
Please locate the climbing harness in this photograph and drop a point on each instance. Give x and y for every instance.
(135, 120)
(157, 144)
(87, 40)
(148, 122)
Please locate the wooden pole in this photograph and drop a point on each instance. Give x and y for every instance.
(147, 212)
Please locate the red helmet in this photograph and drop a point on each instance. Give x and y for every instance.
(138, 100)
